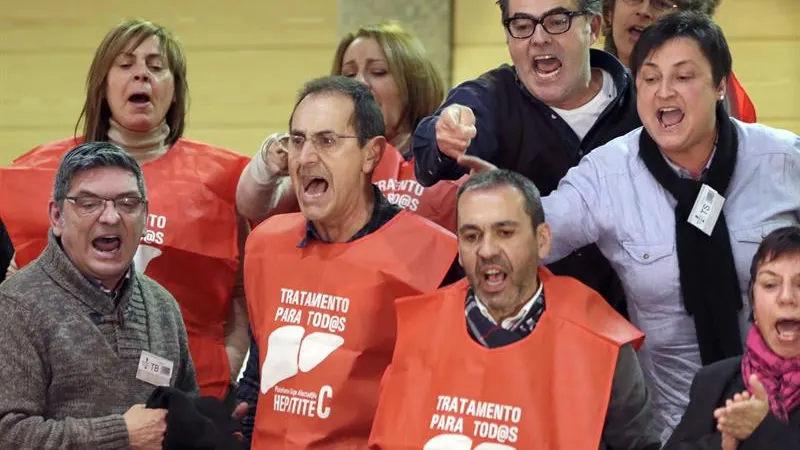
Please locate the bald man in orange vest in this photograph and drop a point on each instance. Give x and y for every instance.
(321, 284)
(513, 357)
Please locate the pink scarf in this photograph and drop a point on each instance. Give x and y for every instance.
(780, 377)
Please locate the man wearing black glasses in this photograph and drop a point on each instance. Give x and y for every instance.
(539, 117)
(321, 284)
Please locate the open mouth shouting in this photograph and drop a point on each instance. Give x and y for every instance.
(546, 67)
(108, 245)
(140, 99)
(493, 278)
(669, 117)
(314, 187)
(635, 32)
(788, 329)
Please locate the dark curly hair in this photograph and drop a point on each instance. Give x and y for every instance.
(592, 6)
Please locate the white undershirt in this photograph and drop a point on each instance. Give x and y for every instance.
(509, 322)
(582, 118)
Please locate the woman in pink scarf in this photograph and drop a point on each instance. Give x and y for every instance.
(753, 401)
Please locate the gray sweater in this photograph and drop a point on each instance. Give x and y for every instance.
(69, 355)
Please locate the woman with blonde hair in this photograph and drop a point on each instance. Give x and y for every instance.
(393, 63)
(137, 97)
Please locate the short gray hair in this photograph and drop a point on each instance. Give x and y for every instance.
(497, 178)
(89, 156)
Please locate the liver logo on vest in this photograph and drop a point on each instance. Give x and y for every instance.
(154, 235)
(288, 352)
(144, 254)
(461, 442)
(310, 329)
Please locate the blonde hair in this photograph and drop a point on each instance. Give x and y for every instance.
(418, 81)
(707, 7)
(130, 34)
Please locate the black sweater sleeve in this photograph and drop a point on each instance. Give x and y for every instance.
(6, 251)
(698, 428)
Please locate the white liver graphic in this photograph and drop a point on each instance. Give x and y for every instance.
(145, 254)
(316, 347)
(460, 442)
(280, 363)
(288, 352)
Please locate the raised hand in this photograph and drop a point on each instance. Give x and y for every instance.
(274, 153)
(455, 129)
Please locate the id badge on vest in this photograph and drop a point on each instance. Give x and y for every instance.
(154, 369)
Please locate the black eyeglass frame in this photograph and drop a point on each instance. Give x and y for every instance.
(569, 14)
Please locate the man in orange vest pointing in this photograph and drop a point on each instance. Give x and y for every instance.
(513, 357)
(321, 284)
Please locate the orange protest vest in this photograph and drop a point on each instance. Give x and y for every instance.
(190, 246)
(395, 177)
(548, 391)
(324, 320)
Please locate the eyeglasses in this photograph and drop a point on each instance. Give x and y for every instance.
(88, 205)
(522, 26)
(657, 5)
(325, 140)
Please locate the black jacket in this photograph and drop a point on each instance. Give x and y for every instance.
(202, 423)
(519, 132)
(711, 387)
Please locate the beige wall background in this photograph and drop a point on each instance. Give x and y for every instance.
(763, 36)
(248, 58)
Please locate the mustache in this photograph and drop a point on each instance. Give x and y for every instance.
(497, 260)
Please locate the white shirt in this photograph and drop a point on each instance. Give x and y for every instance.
(582, 118)
(611, 199)
(510, 322)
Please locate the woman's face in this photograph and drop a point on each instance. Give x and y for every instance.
(364, 60)
(140, 87)
(776, 304)
(676, 96)
(628, 21)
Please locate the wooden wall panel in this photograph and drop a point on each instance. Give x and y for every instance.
(246, 62)
(770, 73)
(47, 25)
(763, 36)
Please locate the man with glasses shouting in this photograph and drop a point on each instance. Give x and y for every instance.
(539, 117)
(321, 284)
(85, 337)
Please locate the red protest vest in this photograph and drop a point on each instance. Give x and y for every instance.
(190, 247)
(741, 106)
(324, 320)
(548, 391)
(395, 177)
